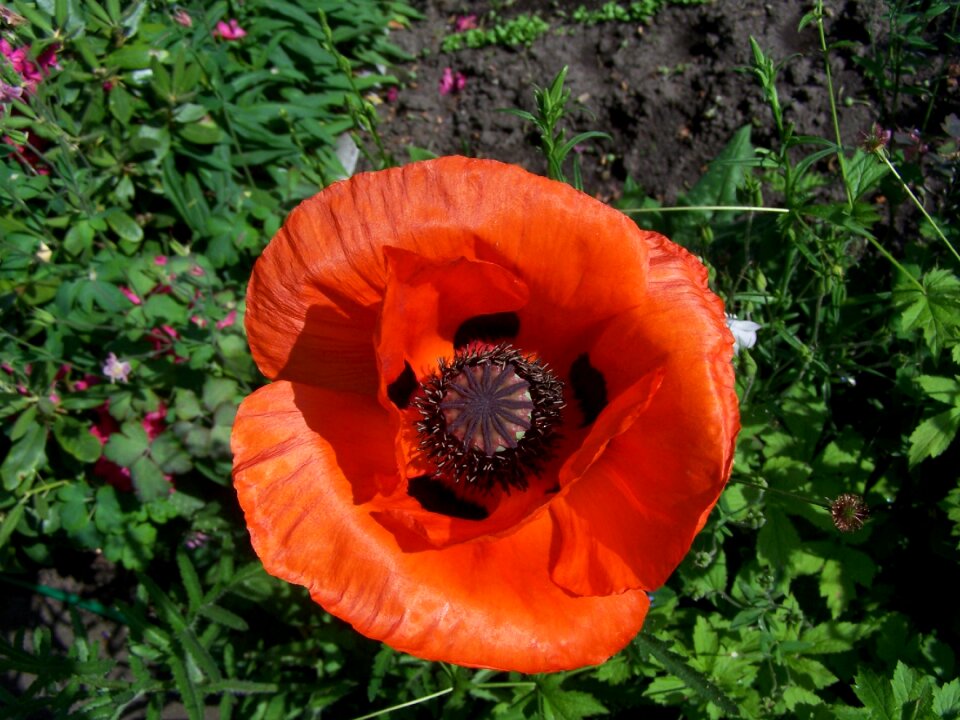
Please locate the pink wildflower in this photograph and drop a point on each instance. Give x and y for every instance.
(465, 22)
(392, 94)
(160, 260)
(452, 82)
(130, 295)
(227, 321)
(229, 30)
(182, 17)
(85, 382)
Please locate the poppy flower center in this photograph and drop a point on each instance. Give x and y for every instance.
(488, 417)
(487, 407)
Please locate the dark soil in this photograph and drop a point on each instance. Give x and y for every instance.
(671, 92)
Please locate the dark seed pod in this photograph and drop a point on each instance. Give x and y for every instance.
(489, 417)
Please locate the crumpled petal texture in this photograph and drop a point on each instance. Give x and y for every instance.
(371, 279)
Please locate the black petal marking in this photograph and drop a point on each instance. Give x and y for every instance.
(589, 388)
(488, 328)
(401, 390)
(436, 497)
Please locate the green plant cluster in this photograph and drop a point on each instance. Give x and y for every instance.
(634, 12)
(145, 168)
(522, 30)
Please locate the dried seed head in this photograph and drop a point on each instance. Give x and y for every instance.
(849, 512)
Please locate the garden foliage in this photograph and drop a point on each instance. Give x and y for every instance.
(150, 151)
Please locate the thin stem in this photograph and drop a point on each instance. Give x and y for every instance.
(705, 208)
(916, 201)
(425, 698)
(833, 104)
(785, 493)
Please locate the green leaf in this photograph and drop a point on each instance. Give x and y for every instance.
(76, 439)
(148, 480)
(124, 226)
(25, 456)
(692, 678)
(127, 446)
(567, 704)
(719, 184)
(876, 695)
(946, 390)
(934, 311)
(191, 581)
(934, 435)
(224, 617)
(946, 700)
(10, 521)
(109, 515)
(217, 391)
(776, 541)
(864, 171)
(206, 132)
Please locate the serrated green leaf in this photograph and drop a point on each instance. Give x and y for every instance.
(946, 700)
(796, 695)
(149, 481)
(934, 311)
(76, 439)
(217, 391)
(567, 704)
(946, 390)
(776, 541)
(126, 447)
(934, 435)
(875, 694)
(864, 171)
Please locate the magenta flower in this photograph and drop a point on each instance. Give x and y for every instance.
(465, 22)
(227, 321)
(229, 30)
(452, 82)
(130, 295)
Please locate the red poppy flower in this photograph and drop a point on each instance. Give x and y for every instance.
(410, 463)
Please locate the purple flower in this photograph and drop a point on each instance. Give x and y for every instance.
(115, 369)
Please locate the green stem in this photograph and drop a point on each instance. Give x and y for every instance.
(410, 703)
(785, 493)
(69, 598)
(916, 201)
(705, 208)
(833, 104)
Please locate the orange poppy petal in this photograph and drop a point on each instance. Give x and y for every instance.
(317, 288)
(426, 302)
(629, 520)
(485, 604)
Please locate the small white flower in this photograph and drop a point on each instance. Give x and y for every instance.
(744, 333)
(44, 253)
(116, 369)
